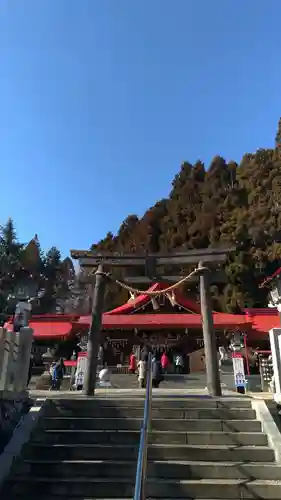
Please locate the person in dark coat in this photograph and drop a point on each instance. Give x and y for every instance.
(144, 354)
(157, 376)
(59, 373)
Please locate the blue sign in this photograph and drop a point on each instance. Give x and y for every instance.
(240, 379)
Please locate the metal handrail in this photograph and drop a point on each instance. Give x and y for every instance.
(140, 482)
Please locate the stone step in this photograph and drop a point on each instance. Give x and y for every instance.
(220, 453)
(68, 497)
(171, 413)
(156, 469)
(124, 487)
(161, 437)
(187, 425)
(168, 402)
(74, 497)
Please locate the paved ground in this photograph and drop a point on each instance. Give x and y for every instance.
(175, 393)
(194, 381)
(176, 384)
(138, 393)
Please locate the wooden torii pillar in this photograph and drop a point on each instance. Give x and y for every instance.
(105, 261)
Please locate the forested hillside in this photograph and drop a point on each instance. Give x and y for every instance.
(221, 204)
(25, 270)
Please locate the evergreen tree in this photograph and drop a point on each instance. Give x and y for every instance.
(278, 135)
(223, 205)
(10, 256)
(59, 277)
(18, 262)
(52, 274)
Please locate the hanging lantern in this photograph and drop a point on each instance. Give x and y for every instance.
(172, 298)
(155, 304)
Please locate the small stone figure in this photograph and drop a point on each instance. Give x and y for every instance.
(22, 314)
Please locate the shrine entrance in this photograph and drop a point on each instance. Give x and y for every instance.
(118, 345)
(100, 266)
(161, 340)
(116, 350)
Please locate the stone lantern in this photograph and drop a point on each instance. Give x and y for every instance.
(273, 283)
(45, 380)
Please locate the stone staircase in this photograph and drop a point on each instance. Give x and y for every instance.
(200, 448)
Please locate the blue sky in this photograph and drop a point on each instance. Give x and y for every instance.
(101, 101)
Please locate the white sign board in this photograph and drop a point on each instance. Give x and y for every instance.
(239, 372)
(275, 343)
(81, 369)
(82, 363)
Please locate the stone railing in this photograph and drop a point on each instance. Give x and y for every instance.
(15, 350)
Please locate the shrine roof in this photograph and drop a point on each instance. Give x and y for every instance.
(43, 329)
(262, 311)
(56, 317)
(166, 321)
(263, 322)
(142, 300)
(255, 322)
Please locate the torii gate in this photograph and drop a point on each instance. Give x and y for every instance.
(105, 261)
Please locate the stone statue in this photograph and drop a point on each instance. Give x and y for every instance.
(22, 314)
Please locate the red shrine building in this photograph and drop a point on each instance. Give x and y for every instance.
(170, 321)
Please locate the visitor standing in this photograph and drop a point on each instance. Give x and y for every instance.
(179, 364)
(144, 354)
(79, 380)
(156, 373)
(58, 373)
(132, 363)
(141, 373)
(222, 355)
(100, 357)
(165, 362)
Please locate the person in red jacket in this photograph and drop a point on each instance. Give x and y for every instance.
(132, 363)
(165, 362)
